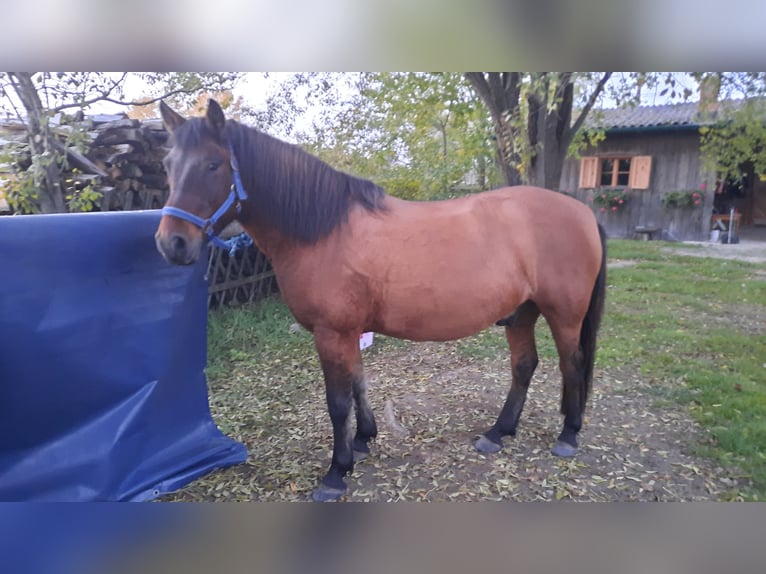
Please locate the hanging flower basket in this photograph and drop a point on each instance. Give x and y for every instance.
(611, 199)
(682, 199)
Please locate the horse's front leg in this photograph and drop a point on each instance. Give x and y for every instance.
(341, 362)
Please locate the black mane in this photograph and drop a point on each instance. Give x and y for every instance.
(299, 194)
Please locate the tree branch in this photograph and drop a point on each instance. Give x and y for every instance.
(25, 89)
(479, 82)
(15, 87)
(589, 105)
(104, 97)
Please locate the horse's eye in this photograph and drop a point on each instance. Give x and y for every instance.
(212, 166)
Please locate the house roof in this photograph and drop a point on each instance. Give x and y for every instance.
(669, 116)
(684, 114)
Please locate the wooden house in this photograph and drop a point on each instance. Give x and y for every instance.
(651, 153)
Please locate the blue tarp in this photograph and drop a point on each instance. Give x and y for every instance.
(103, 394)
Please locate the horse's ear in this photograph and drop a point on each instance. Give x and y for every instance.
(214, 117)
(170, 119)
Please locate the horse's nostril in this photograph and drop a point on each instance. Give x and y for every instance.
(177, 243)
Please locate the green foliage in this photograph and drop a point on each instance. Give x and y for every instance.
(83, 200)
(583, 139)
(20, 192)
(739, 137)
(681, 199)
(22, 188)
(404, 186)
(420, 135)
(80, 197)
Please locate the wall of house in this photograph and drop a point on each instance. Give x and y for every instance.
(676, 166)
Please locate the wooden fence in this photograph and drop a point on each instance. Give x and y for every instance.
(244, 277)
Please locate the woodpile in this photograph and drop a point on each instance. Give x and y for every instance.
(131, 154)
(122, 160)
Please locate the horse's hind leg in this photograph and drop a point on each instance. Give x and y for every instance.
(572, 365)
(520, 333)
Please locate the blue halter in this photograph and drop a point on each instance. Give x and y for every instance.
(236, 196)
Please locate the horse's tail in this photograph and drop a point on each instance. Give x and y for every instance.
(592, 322)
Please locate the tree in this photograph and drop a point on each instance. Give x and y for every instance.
(533, 120)
(734, 107)
(420, 135)
(37, 98)
(436, 122)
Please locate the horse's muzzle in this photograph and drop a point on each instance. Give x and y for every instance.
(177, 249)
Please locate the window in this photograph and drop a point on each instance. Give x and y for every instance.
(615, 172)
(626, 171)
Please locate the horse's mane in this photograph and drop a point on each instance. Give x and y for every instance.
(299, 194)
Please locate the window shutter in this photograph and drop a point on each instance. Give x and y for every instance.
(588, 172)
(640, 172)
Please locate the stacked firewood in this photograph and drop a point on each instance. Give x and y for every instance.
(124, 163)
(122, 160)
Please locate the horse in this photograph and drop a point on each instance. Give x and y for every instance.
(350, 258)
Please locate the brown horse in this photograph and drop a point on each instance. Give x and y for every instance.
(349, 259)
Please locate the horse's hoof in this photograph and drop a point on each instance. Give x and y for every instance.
(327, 493)
(564, 449)
(359, 456)
(483, 444)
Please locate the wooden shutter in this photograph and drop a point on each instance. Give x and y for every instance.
(640, 172)
(588, 172)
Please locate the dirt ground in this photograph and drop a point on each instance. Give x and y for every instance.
(431, 401)
(633, 446)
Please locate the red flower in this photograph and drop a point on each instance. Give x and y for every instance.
(697, 202)
(614, 208)
(603, 209)
(703, 186)
(621, 201)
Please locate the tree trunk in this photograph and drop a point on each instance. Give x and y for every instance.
(510, 173)
(549, 131)
(500, 93)
(445, 167)
(48, 175)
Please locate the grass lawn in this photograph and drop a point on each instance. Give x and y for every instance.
(696, 327)
(693, 327)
